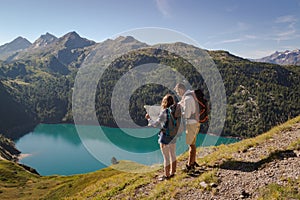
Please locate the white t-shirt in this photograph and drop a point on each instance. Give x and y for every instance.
(189, 107)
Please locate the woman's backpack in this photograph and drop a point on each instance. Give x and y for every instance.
(174, 124)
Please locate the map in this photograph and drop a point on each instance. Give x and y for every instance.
(153, 111)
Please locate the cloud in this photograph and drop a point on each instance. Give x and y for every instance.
(286, 19)
(286, 29)
(286, 34)
(251, 37)
(235, 40)
(164, 7)
(240, 30)
(230, 41)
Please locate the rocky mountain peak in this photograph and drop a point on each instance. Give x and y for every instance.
(14, 46)
(72, 40)
(21, 41)
(126, 39)
(288, 57)
(17, 44)
(44, 40)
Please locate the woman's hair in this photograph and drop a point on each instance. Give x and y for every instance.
(167, 101)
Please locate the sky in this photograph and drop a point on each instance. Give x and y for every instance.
(246, 28)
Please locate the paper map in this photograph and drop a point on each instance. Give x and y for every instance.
(153, 111)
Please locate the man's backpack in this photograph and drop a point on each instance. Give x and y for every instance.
(174, 123)
(203, 105)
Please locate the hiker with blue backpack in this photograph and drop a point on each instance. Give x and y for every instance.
(169, 120)
(190, 114)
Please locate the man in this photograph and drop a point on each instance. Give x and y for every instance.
(190, 113)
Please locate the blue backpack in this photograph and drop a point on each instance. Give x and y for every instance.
(174, 124)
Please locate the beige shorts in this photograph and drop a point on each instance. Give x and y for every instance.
(191, 133)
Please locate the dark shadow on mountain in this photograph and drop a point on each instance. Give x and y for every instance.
(252, 166)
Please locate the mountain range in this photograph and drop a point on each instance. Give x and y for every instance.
(36, 83)
(282, 58)
(11, 51)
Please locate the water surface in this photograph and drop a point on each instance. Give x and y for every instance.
(59, 149)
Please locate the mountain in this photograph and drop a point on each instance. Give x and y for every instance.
(70, 47)
(40, 84)
(283, 58)
(66, 48)
(112, 48)
(73, 41)
(44, 40)
(14, 115)
(13, 47)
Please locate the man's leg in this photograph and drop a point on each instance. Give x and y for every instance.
(191, 135)
(192, 155)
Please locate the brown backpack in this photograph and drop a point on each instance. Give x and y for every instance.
(203, 106)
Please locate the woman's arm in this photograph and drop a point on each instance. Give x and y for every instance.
(161, 118)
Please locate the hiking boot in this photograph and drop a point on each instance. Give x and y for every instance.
(196, 164)
(172, 175)
(188, 168)
(162, 178)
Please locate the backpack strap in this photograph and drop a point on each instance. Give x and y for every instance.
(172, 117)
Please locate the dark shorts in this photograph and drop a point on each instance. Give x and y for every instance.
(166, 139)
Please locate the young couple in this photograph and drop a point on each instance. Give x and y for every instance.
(168, 143)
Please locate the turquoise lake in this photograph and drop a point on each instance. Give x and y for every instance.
(66, 149)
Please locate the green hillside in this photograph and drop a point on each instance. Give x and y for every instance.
(38, 87)
(278, 147)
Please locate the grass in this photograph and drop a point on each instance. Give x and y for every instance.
(115, 183)
(279, 192)
(295, 145)
(224, 152)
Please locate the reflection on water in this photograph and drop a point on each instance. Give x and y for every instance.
(58, 149)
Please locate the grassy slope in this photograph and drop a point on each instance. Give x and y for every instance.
(16, 183)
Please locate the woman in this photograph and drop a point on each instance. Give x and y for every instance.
(166, 141)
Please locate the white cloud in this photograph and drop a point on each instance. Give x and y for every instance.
(164, 7)
(287, 28)
(251, 37)
(286, 34)
(234, 40)
(230, 41)
(286, 19)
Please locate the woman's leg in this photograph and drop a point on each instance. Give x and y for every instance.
(165, 152)
(173, 158)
